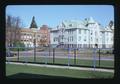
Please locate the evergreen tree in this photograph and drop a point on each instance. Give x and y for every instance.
(110, 23)
(33, 23)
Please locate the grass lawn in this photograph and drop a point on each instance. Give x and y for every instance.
(24, 71)
(103, 63)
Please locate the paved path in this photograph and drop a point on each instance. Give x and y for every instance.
(64, 67)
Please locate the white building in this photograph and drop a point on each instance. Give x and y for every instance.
(82, 34)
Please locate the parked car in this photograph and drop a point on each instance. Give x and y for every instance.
(10, 54)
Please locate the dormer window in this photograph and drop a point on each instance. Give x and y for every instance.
(63, 25)
(70, 25)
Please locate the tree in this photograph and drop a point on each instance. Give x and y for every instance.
(111, 23)
(43, 40)
(33, 23)
(13, 26)
(18, 44)
(8, 21)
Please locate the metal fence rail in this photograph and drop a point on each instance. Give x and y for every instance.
(92, 57)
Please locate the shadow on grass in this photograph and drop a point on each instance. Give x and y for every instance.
(40, 76)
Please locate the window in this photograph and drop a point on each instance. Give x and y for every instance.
(68, 39)
(85, 38)
(70, 25)
(68, 31)
(107, 33)
(72, 31)
(95, 33)
(79, 31)
(72, 38)
(85, 31)
(91, 32)
(54, 39)
(97, 40)
(79, 38)
(91, 39)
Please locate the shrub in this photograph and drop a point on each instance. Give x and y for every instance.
(18, 44)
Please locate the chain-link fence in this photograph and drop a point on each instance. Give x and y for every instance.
(88, 57)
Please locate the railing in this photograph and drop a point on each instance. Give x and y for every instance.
(86, 57)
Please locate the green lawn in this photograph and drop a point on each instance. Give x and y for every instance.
(24, 71)
(103, 63)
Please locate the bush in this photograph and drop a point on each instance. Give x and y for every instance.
(105, 52)
(109, 52)
(18, 44)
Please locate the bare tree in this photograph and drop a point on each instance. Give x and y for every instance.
(13, 26)
(43, 40)
(17, 29)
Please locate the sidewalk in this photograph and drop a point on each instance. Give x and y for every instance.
(64, 67)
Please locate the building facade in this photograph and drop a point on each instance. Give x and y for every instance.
(35, 37)
(82, 34)
(45, 35)
(30, 37)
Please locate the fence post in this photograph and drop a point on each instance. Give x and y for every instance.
(45, 58)
(94, 58)
(99, 57)
(53, 55)
(68, 56)
(26, 60)
(49, 50)
(74, 56)
(34, 53)
(18, 53)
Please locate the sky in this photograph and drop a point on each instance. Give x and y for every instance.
(53, 15)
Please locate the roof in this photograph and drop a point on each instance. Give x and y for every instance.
(70, 24)
(90, 20)
(80, 24)
(28, 30)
